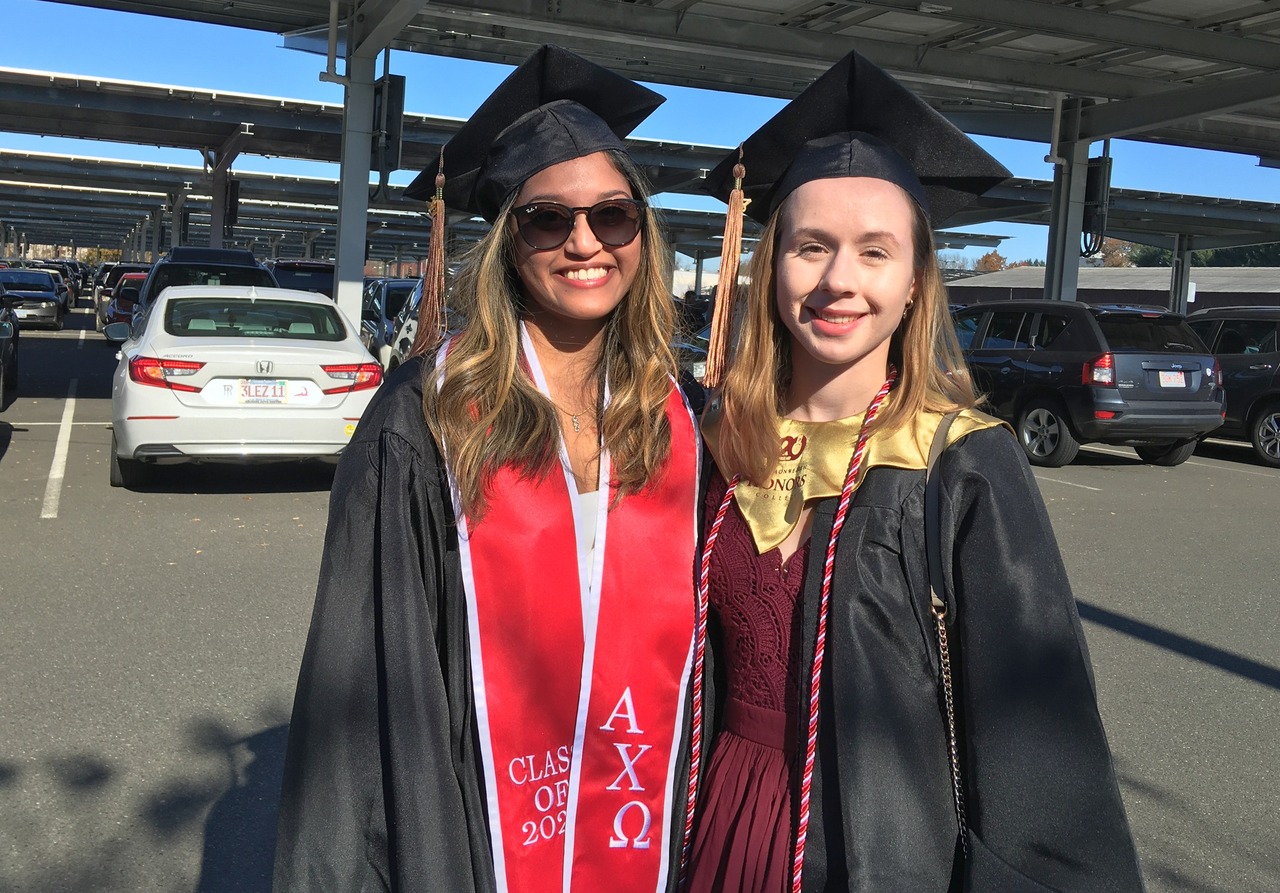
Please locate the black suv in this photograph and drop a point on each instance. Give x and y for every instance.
(201, 266)
(1066, 373)
(1244, 340)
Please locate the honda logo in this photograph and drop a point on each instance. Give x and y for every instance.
(264, 367)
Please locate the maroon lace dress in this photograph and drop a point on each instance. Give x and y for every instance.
(742, 838)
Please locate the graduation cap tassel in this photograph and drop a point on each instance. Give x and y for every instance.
(727, 290)
(431, 311)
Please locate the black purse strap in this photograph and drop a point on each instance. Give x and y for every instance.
(941, 614)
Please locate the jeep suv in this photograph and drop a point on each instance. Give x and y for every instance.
(1244, 341)
(202, 266)
(1066, 373)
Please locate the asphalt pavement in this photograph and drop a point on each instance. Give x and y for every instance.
(149, 643)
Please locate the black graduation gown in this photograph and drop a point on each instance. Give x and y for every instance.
(1040, 787)
(383, 789)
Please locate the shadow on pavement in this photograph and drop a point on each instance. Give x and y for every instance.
(6, 438)
(230, 479)
(240, 832)
(1217, 657)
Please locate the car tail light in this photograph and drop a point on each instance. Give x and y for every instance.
(1104, 414)
(1100, 371)
(359, 376)
(159, 373)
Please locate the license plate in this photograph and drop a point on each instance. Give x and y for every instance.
(264, 390)
(1173, 379)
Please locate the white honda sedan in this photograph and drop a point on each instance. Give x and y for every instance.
(236, 374)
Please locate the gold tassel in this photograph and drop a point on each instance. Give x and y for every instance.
(727, 289)
(431, 317)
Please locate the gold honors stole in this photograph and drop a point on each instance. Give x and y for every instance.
(813, 459)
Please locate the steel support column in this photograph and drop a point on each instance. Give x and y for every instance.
(698, 259)
(1070, 156)
(1180, 279)
(157, 232)
(309, 243)
(353, 187)
(1066, 223)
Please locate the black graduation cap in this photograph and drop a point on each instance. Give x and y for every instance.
(555, 107)
(857, 121)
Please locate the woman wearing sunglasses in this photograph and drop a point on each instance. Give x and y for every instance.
(869, 737)
(495, 691)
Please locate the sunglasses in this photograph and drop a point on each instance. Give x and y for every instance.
(547, 225)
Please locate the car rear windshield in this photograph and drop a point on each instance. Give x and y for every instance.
(1158, 333)
(27, 281)
(242, 317)
(397, 293)
(209, 274)
(314, 279)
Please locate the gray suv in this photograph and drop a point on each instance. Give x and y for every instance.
(1065, 373)
(1244, 341)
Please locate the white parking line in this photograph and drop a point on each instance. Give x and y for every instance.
(1115, 452)
(58, 470)
(80, 344)
(13, 424)
(1040, 477)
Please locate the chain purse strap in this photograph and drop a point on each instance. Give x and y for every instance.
(938, 607)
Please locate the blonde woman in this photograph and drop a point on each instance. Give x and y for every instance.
(495, 690)
(835, 766)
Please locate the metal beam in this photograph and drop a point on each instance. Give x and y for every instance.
(1106, 28)
(1113, 119)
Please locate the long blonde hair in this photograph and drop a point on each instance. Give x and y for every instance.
(932, 376)
(488, 414)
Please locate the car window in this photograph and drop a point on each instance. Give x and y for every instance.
(26, 281)
(1247, 336)
(209, 317)
(1149, 333)
(1051, 325)
(966, 328)
(1006, 331)
(396, 295)
(305, 279)
(1204, 328)
(185, 274)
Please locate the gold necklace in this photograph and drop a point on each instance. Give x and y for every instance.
(573, 416)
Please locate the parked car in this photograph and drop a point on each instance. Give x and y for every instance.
(305, 275)
(33, 296)
(8, 353)
(124, 298)
(63, 278)
(1066, 373)
(382, 302)
(104, 292)
(404, 329)
(1244, 341)
(235, 374)
(202, 266)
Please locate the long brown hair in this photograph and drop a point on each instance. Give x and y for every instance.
(932, 376)
(488, 414)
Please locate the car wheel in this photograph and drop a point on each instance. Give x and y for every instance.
(97, 322)
(129, 473)
(57, 321)
(1166, 453)
(1264, 433)
(1045, 435)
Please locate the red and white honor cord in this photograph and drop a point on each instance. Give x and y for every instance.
(700, 651)
(820, 646)
(819, 651)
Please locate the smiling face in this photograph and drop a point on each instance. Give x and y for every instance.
(583, 280)
(844, 274)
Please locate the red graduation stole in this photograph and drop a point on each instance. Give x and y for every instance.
(580, 690)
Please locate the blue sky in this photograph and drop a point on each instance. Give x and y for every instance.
(77, 40)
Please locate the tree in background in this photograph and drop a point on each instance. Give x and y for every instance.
(1244, 256)
(1115, 253)
(991, 262)
(1028, 262)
